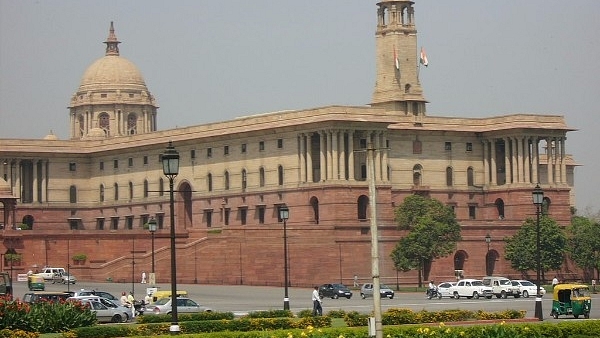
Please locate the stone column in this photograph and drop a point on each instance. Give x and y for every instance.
(486, 163)
(302, 158)
(535, 161)
(563, 161)
(335, 150)
(342, 166)
(493, 159)
(329, 155)
(384, 158)
(34, 196)
(44, 180)
(351, 155)
(309, 165)
(549, 151)
(511, 175)
(323, 156)
(527, 160)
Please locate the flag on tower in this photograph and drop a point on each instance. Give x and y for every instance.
(423, 58)
(396, 59)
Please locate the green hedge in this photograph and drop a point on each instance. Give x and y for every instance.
(407, 316)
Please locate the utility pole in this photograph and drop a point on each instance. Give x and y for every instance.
(374, 241)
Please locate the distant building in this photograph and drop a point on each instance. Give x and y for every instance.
(94, 193)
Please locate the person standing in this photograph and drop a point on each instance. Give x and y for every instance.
(131, 301)
(317, 308)
(143, 277)
(554, 282)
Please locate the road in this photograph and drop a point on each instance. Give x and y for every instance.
(243, 299)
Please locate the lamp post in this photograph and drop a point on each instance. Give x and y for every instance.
(538, 198)
(488, 240)
(152, 228)
(170, 161)
(284, 214)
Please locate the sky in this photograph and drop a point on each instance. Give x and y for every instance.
(208, 61)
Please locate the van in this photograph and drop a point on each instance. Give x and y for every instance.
(166, 294)
(48, 273)
(501, 287)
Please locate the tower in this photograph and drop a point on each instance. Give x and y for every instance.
(397, 86)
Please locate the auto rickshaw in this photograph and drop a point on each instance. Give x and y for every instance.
(36, 283)
(571, 299)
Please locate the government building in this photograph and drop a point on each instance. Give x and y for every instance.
(85, 203)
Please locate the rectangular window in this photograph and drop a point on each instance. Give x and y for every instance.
(448, 146)
(243, 148)
(417, 147)
(145, 159)
(99, 223)
(103, 96)
(144, 220)
(73, 224)
(193, 154)
(209, 152)
(209, 218)
(363, 143)
(72, 166)
(130, 95)
(114, 223)
(101, 165)
(279, 143)
(130, 162)
(261, 215)
(472, 210)
(227, 213)
(469, 146)
(243, 215)
(115, 164)
(261, 145)
(226, 150)
(160, 219)
(129, 222)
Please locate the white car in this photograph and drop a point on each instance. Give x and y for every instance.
(446, 289)
(471, 288)
(184, 305)
(527, 288)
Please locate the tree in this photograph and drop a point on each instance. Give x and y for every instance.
(433, 233)
(521, 251)
(584, 245)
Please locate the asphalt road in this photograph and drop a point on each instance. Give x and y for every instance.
(243, 299)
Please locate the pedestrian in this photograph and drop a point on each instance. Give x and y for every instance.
(554, 282)
(317, 308)
(143, 277)
(131, 301)
(355, 281)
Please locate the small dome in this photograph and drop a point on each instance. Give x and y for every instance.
(51, 137)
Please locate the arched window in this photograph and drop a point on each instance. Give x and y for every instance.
(104, 123)
(132, 124)
(116, 191)
(280, 175)
(226, 178)
(146, 188)
(490, 261)
(500, 208)
(459, 260)
(244, 180)
(417, 175)
(101, 192)
(407, 88)
(161, 187)
(81, 125)
(470, 177)
(363, 203)
(73, 194)
(449, 176)
(261, 173)
(314, 203)
(209, 182)
(28, 219)
(546, 206)
(130, 191)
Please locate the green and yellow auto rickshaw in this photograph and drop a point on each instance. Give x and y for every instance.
(571, 299)
(36, 283)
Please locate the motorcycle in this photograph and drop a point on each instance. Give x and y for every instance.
(434, 293)
(139, 307)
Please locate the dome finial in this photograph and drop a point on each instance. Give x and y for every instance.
(112, 44)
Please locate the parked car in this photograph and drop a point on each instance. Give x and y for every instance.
(184, 305)
(334, 291)
(103, 294)
(446, 289)
(471, 288)
(48, 296)
(108, 303)
(501, 287)
(527, 288)
(104, 313)
(64, 278)
(366, 290)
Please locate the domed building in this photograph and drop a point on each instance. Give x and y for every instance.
(95, 193)
(112, 98)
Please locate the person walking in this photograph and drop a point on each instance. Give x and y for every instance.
(317, 308)
(554, 282)
(143, 277)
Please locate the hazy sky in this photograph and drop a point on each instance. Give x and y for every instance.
(208, 61)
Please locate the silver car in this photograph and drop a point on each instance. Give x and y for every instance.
(106, 311)
(184, 305)
(385, 291)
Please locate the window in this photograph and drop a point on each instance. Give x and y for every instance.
(72, 166)
(74, 224)
(261, 173)
(145, 188)
(193, 154)
(208, 214)
(469, 146)
(103, 96)
(500, 208)
(130, 191)
(226, 178)
(226, 150)
(449, 176)
(472, 210)
(101, 165)
(279, 143)
(243, 215)
(209, 183)
(363, 143)
(280, 175)
(261, 214)
(145, 159)
(470, 178)
(101, 192)
(261, 145)
(130, 95)
(243, 148)
(226, 220)
(116, 191)
(363, 202)
(99, 223)
(129, 222)
(130, 162)
(417, 175)
(448, 146)
(209, 152)
(114, 223)
(244, 180)
(73, 194)
(115, 164)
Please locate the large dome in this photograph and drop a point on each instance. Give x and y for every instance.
(112, 72)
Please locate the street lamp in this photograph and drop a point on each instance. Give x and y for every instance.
(488, 240)
(170, 162)
(284, 214)
(152, 228)
(538, 198)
